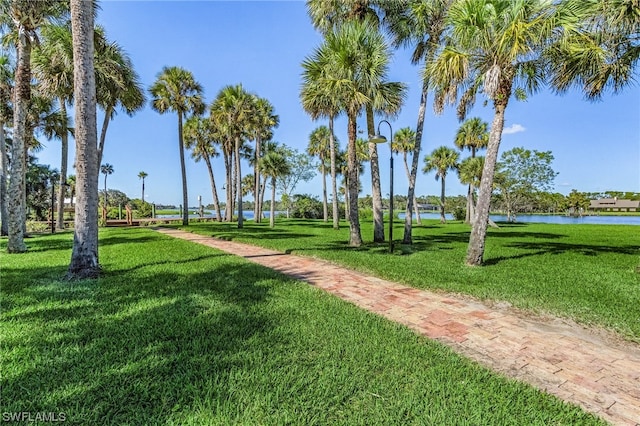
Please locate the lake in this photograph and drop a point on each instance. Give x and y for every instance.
(568, 220)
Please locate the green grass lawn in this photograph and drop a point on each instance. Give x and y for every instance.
(180, 334)
(589, 273)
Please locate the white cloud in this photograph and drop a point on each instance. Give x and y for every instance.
(514, 128)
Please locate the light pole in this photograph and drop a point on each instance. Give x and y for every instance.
(381, 139)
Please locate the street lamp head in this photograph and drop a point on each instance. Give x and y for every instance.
(378, 139)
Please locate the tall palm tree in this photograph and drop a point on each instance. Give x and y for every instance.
(492, 46)
(473, 134)
(199, 138)
(274, 165)
(264, 121)
(470, 172)
(23, 18)
(404, 141)
(142, 175)
(233, 107)
(319, 146)
(354, 62)
(106, 169)
(419, 24)
(441, 160)
(84, 255)
(320, 102)
(53, 67)
(176, 90)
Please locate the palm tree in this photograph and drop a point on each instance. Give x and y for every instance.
(598, 50)
(106, 170)
(274, 165)
(199, 138)
(319, 102)
(177, 90)
(354, 62)
(71, 186)
(442, 159)
(420, 24)
(472, 135)
(319, 146)
(264, 121)
(84, 255)
(404, 141)
(53, 67)
(470, 172)
(24, 18)
(233, 108)
(491, 45)
(142, 175)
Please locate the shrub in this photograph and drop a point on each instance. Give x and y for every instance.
(459, 213)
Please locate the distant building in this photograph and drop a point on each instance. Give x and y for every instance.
(614, 205)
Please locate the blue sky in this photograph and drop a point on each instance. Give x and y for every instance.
(261, 44)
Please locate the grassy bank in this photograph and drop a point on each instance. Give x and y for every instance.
(177, 333)
(585, 272)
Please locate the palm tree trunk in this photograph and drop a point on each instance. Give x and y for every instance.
(325, 209)
(64, 159)
(214, 191)
(228, 212)
(239, 183)
(272, 215)
(355, 237)
(376, 192)
(103, 132)
(443, 219)
(411, 193)
(183, 169)
(16, 244)
(4, 216)
(84, 256)
(262, 192)
(256, 186)
(468, 215)
(334, 184)
(415, 202)
(142, 190)
(475, 251)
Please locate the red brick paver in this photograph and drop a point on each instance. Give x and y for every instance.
(575, 364)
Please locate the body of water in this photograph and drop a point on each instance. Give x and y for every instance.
(561, 219)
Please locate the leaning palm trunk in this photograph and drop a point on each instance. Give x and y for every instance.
(355, 237)
(64, 159)
(84, 256)
(376, 192)
(228, 212)
(214, 191)
(411, 193)
(4, 215)
(475, 251)
(103, 133)
(415, 202)
(334, 184)
(16, 191)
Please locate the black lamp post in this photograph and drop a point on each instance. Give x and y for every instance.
(381, 139)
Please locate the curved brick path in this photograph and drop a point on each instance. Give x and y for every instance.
(563, 359)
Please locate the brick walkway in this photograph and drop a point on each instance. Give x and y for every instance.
(577, 365)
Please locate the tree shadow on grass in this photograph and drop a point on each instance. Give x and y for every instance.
(118, 351)
(555, 248)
